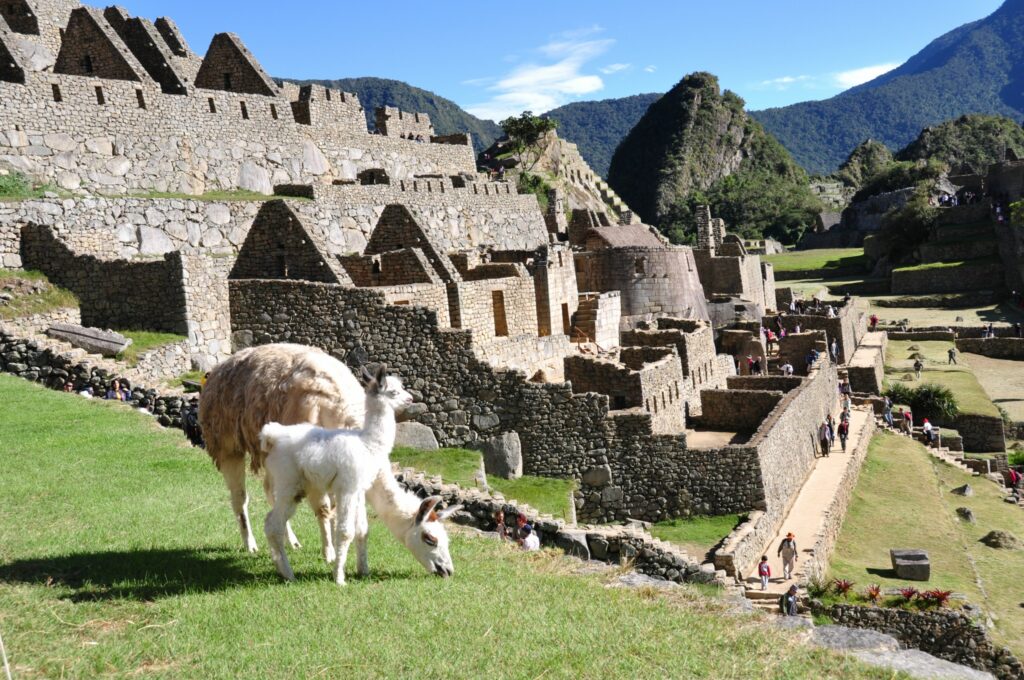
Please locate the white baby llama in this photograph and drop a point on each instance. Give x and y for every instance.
(307, 460)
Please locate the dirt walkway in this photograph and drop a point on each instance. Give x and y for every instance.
(1002, 380)
(808, 511)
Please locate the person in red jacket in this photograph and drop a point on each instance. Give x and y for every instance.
(764, 571)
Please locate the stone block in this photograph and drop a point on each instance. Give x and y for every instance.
(416, 436)
(965, 491)
(503, 456)
(598, 476)
(910, 564)
(574, 543)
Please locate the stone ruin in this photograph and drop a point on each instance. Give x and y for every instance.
(611, 353)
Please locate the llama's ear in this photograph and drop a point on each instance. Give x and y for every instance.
(427, 509)
(365, 375)
(448, 512)
(382, 372)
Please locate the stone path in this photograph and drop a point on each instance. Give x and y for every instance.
(806, 517)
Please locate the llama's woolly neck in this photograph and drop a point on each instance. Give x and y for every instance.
(395, 506)
(378, 433)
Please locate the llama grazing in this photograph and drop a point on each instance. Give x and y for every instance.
(292, 384)
(306, 460)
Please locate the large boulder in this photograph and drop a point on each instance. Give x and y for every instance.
(93, 340)
(912, 564)
(503, 456)
(416, 436)
(965, 491)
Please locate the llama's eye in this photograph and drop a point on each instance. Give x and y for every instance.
(429, 540)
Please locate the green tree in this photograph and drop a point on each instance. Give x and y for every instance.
(525, 133)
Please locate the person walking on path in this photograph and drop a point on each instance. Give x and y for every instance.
(887, 411)
(918, 366)
(952, 355)
(834, 350)
(788, 602)
(764, 572)
(844, 432)
(787, 551)
(824, 439)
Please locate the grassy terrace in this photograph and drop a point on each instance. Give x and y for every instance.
(950, 265)
(824, 259)
(119, 558)
(903, 500)
(462, 467)
(143, 341)
(27, 305)
(958, 378)
(697, 535)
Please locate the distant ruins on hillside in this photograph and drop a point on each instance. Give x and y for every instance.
(617, 359)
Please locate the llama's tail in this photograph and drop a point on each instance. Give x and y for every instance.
(270, 435)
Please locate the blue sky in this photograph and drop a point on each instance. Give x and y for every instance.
(495, 63)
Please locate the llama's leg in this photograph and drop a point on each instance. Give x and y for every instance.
(344, 531)
(233, 470)
(275, 527)
(362, 530)
(324, 514)
(268, 489)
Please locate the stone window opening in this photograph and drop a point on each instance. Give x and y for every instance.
(500, 320)
(245, 111)
(375, 267)
(566, 323)
(87, 64)
(273, 111)
(227, 82)
(327, 93)
(640, 265)
(213, 105)
(100, 97)
(57, 97)
(560, 259)
(618, 402)
(655, 406)
(282, 265)
(141, 97)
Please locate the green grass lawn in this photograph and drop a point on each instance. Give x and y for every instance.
(460, 466)
(970, 395)
(119, 558)
(143, 341)
(825, 258)
(697, 535)
(903, 501)
(950, 265)
(27, 305)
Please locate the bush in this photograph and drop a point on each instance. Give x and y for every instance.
(1017, 457)
(14, 185)
(842, 586)
(534, 184)
(935, 598)
(931, 401)
(873, 593)
(908, 593)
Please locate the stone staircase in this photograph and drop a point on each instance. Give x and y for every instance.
(940, 452)
(609, 196)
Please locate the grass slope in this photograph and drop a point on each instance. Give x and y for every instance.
(903, 501)
(697, 535)
(143, 341)
(27, 305)
(971, 397)
(118, 557)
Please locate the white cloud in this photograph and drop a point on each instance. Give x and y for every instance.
(858, 76)
(784, 82)
(542, 85)
(614, 68)
(650, 68)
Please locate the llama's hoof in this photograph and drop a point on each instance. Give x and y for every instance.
(252, 547)
(330, 556)
(294, 543)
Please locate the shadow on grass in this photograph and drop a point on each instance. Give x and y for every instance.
(883, 573)
(148, 575)
(143, 575)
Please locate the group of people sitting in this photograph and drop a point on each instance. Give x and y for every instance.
(522, 532)
(116, 391)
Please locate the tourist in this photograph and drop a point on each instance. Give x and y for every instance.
(908, 422)
(1014, 479)
(517, 531)
(844, 429)
(991, 331)
(918, 366)
(834, 351)
(68, 387)
(831, 422)
(750, 365)
(824, 438)
(529, 541)
(844, 387)
(787, 551)
(874, 322)
(115, 392)
(787, 369)
(788, 602)
(887, 411)
(756, 367)
(499, 521)
(764, 571)
(952, 355)
(847, 404)
(929, 432)
(87, 393)
(1017, 329)
(812, 357)
(831, 312)
(796, 329)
